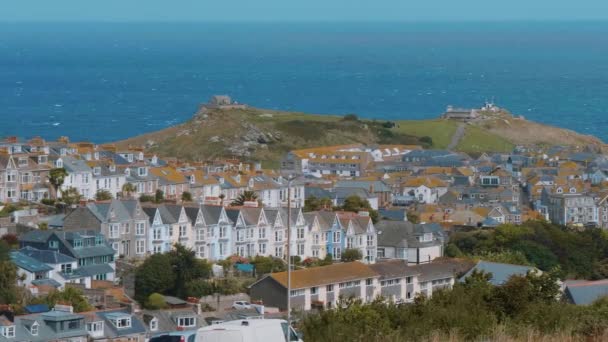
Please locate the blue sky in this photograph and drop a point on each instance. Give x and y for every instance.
(298, 10)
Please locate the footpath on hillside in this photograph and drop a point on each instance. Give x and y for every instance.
(458, 135)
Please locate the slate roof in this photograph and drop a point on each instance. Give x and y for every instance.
(110, 331)
(37, 308)
(45, 332)
(151, 212)
(166, 318)
(28, 263)
(73, 165)
(393, 269)
(47, 256)
(500, 272)
(583, 292)
(48, 282)
(441, 269)
(42, 236)
(92, 270)
(317, 192)
(392, 214)
(371, 186)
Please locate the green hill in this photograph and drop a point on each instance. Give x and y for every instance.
(259, 134)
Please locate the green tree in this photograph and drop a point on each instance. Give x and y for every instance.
(70, 295)
(355, 204)
(351, 254)
(8, 275)
(264, 265)
(154, 275)
(313, 204)
(426, 140)
(146, 198)
(413, 217)
(186, 196)
(43, 226)
(103, 195)
(200, 288)
(57, 178)
(159, 196)
(128, 189)
(186, 267)
(246, 196)
(70, 196)
(156, 301)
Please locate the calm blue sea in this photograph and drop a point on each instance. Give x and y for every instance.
(103, 82)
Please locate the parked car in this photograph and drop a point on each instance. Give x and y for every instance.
(241, 305)
(176, 336)
(256, 330)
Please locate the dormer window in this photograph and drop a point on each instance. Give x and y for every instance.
(77, 243)
(142, 171)
(22, 161)
(154, 324)
(42, 159)
(34, 329)
(559, 190)
(96, 155)
(59, 163)
(186, 322)
(53, 244)
(192, 179)
(112, 168)
(120, 321)
(63, 151)
(572, 190)
(97, 170)
(8, 331)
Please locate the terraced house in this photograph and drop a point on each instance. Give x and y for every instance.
(213, 231)
(251, 231)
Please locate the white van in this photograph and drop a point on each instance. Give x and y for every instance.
(255, 330)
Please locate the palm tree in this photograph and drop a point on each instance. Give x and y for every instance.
(57, 178)
(246, 196)
(129, 188)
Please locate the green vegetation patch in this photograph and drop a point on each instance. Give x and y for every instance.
(477, 140)
(441, 131)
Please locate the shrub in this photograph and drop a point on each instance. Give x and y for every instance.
(156, 301)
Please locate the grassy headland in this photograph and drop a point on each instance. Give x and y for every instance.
(260, 134)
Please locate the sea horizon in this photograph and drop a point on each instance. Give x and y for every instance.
(107, 81)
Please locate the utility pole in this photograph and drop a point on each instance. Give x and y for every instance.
(288, 256)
